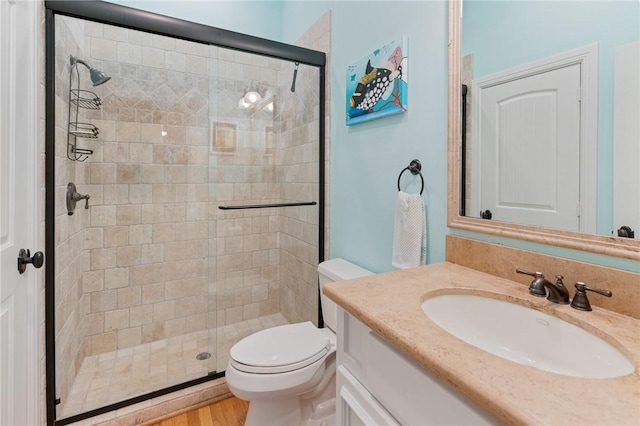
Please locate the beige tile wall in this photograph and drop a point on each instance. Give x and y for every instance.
(245, 254)
(71, 260)
(298, 156)
(161, 252)
(147, 240)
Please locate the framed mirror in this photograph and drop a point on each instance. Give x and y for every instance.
(462, 212)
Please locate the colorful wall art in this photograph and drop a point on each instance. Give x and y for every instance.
(377, 84)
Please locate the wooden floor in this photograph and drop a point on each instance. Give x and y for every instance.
(228, 412)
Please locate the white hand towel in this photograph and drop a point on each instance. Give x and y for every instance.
(409, 232)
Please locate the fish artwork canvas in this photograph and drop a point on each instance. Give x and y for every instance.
(377, 84)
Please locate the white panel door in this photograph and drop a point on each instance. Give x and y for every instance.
(529, 137)
(19, 346)
(626, 138)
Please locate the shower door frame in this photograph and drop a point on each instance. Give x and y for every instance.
(122, 16)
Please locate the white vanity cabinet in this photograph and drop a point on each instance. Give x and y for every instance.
(379, 385)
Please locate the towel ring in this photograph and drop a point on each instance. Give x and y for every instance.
(414, 167)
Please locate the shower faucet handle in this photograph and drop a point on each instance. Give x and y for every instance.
(73, 196)
(86, 200)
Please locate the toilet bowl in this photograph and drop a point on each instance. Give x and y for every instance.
(287, 373)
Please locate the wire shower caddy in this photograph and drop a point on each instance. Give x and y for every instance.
(76, 129)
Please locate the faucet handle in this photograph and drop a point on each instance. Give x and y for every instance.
(86, 200)
(533, 274)
(580, 300)
(536, 287)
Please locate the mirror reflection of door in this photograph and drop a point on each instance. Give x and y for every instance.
(626, 138)
(532, 124)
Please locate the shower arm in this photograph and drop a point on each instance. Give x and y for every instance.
(75, 61)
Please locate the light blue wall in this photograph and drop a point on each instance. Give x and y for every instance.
(259, 18)
(367, 158)
(503, 35)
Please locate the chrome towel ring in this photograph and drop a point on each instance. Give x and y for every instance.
(414, 167)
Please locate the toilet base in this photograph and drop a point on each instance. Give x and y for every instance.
(315, 408)
(291, 412)
(274, 413)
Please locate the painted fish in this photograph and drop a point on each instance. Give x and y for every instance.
(372, 87)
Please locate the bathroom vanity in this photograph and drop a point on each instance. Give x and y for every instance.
(396, 366)
(378, 384)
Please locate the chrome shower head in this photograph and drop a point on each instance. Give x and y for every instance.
(97, 76)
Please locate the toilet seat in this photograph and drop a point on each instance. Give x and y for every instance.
(280, 349)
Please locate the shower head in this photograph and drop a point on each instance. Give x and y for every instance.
(97, 76)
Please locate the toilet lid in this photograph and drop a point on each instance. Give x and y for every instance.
(279, 349)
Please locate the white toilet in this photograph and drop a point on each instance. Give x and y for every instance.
(287, 373)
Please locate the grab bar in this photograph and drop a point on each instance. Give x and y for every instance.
(266, 206)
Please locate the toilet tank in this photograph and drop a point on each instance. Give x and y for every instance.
(336, 270)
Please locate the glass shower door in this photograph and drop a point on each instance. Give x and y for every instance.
(200, 169)
(264, 188)
(132, 269)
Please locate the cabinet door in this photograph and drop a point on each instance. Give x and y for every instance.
(356, 406)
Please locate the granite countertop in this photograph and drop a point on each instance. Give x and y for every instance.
(390, 304)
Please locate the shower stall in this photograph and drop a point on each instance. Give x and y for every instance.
(184, 200)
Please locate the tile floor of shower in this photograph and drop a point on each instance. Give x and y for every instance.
(115, 376)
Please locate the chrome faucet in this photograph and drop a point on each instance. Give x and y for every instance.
(557, 293)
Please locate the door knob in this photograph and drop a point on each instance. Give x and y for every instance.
(626, 232)
(485, 214)
(24, 258)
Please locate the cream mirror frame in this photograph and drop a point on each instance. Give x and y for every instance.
(601, 244)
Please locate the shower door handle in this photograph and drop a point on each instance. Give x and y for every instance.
(24, 258)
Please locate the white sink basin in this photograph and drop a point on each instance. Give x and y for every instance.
(527, 336)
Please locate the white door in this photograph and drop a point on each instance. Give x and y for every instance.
(19, 82)
(530, 172)
(626, 138)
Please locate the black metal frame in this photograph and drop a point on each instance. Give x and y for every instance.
(463, 150)
(113, 14)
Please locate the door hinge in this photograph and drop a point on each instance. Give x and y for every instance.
(578, 209)
(579, 94)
